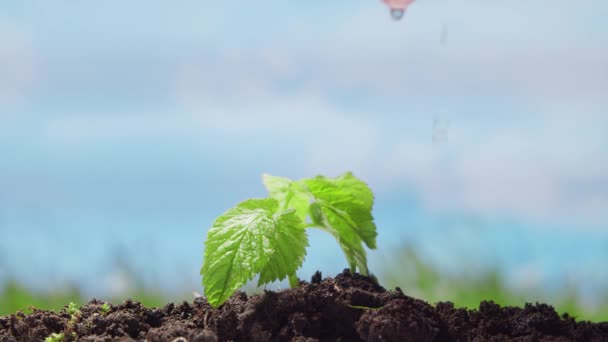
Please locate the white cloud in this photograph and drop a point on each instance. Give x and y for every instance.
(545, 163)
(18, 64)
(546, 167)
(100, 128)
(551, 171)
(237, 97)
(248, 102)
(526, 50)
(529, 168)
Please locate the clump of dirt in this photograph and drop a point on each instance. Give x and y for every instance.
(349, 307)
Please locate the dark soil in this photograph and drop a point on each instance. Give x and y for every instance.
(346, 308)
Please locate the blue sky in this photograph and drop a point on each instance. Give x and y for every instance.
(137, 123)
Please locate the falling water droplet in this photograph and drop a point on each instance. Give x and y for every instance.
(398, 7)
(397, 13)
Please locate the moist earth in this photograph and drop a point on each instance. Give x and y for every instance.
(349, 307)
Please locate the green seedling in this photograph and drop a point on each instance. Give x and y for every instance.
(75, 315)
(54, 337)
(74, 312)
(267, 237)
(73, 309)
(105, 308)
(58, 337)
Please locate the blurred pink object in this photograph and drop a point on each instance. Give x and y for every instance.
(398, 7)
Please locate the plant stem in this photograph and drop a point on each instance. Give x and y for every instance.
(293, 280)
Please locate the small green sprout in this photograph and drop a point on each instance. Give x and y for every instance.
(75, 315)
(74, 312)
(105, 308)
(72, 308)
(267, 237)
(54, 337)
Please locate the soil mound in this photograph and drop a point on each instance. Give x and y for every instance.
(349, 307)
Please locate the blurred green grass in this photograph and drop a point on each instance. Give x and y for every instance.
(421, 279)
(415, 276)
(16, 297)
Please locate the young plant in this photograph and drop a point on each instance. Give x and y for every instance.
(73, 309)
(60, 337)
(105, 308)
(54, 337)
(75, 315)
(74, 312)
(267, 237)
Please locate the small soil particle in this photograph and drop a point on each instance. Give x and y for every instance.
(349, 307)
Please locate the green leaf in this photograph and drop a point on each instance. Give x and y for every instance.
(290, 251)
(55, 337)
(360, 191)
(351, 197)
(338, 224)
(290, 194)
(245, 241)
(267, 236)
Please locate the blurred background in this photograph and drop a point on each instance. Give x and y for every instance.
(127, 127)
